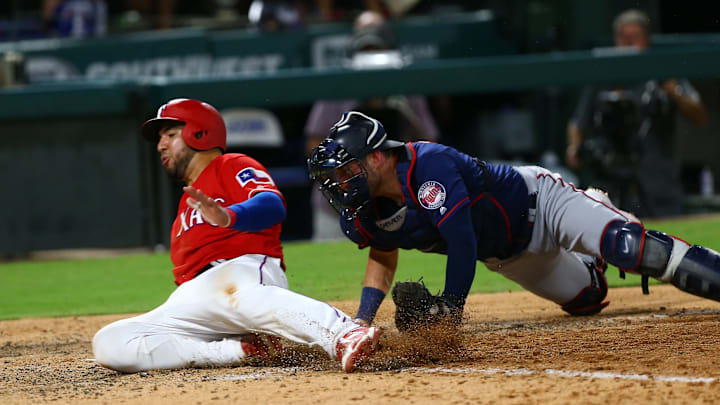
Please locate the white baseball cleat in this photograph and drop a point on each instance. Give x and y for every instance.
(356, 345)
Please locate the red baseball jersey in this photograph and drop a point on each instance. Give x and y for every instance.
(229, 179)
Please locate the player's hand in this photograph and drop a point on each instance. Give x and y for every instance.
(362, 322)
(208, 208)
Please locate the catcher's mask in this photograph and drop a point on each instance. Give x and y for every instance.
(335, 163)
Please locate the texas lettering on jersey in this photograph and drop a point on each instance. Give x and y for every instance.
(191, 217)
(229, 179)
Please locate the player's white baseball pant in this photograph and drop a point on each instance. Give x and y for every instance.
(201, 322)
(568, 226)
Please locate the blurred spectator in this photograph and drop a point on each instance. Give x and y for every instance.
(406, 118)
(624, 134)
(76, 18)
(273, 15)
(276, 15)
(334, 10)
(159, 14)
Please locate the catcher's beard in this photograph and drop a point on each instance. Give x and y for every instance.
(182, 161)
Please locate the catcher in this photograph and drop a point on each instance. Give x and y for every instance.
(523, 222)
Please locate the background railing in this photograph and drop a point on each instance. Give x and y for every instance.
(76, 173)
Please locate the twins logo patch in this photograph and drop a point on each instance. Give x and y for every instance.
(431, 195)
(257, 176)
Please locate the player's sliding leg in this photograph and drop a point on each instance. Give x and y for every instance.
(305, 320)
(130, 346)
(691, 268)
(201, 323)
(167, 339)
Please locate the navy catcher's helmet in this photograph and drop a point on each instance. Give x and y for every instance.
(335, 163)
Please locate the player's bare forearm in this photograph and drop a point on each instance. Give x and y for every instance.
(379, 275)
(380, 269)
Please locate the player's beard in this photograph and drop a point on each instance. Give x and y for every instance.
(181, 162)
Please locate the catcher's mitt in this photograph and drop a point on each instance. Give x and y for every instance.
(416, 308)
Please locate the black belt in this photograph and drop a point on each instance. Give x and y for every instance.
(532, 205)
(210, 266)
(489, 183)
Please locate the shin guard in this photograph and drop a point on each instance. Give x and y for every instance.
(698, 273)
(693, 269)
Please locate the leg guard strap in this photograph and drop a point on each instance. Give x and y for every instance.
(590, 299)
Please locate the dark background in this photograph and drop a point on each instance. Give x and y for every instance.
(87, 180)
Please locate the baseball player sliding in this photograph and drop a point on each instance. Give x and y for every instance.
(232, 299)
(523, 222)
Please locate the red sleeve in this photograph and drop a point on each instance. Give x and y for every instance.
(244, 177)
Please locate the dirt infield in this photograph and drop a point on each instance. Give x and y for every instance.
(513, 349)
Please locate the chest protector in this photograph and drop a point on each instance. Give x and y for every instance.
(388, 226)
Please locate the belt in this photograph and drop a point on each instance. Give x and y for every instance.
(532, 206)
(210, 266)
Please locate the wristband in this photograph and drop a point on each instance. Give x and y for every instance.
(370, 301)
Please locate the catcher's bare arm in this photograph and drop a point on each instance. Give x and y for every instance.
(380, 269)
(379, 275)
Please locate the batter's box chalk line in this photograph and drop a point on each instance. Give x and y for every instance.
(563, 373)
(602, 375)
(259, 375)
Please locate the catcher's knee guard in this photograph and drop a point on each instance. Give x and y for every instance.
(693, 269)
(590, 300)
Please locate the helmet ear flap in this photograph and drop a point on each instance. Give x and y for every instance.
(193, 135)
